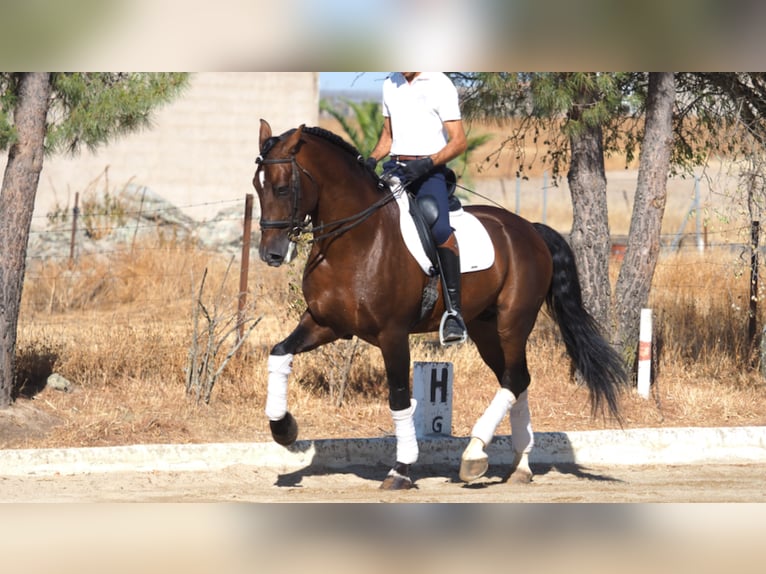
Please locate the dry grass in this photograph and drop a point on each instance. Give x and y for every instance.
(119, 328)
(125, 349)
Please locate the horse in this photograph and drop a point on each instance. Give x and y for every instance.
(360, 280)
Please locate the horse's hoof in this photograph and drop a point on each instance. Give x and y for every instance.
(520, 471)
(397, 482)
(521, 476)
(285, 430)
(398, 478)
(473, 469)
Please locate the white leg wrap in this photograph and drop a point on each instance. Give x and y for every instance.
(474, 450)
(280, 367)
(484, 429)
(406, 441)
(522, 437)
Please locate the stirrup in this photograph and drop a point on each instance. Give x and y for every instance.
(445, 316)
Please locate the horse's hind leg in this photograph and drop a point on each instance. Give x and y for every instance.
(306, 336)
(522, 439)
(506, 356)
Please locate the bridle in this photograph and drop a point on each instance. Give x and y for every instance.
(296, 226)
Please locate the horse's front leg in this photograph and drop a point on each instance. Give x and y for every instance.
(396, 356)
(306, 336)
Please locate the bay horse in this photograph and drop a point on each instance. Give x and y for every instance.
(361, 281)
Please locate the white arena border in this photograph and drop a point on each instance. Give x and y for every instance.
(689, 445)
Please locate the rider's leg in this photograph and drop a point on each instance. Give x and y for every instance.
(434, 191)
(449, 257)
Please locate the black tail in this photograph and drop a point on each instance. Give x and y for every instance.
(600, 365)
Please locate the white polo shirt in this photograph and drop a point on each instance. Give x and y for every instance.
(418, 110)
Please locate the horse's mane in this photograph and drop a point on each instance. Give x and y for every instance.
(330, 137)
(333, 138)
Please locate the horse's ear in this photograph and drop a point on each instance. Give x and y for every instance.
(293, 142)
(265, 133)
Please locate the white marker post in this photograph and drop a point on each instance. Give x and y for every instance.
(432, 389)
(645, 353)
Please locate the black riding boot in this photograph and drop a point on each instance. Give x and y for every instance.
(452, 328)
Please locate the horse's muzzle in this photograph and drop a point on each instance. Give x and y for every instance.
(273, 259)
(278, 254)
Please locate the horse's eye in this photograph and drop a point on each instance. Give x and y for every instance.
(282, 190)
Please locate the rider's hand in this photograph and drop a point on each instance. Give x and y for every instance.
(371, 163)
(416, 168)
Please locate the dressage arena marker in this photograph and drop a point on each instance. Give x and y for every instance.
(432, 389)
(645, 353)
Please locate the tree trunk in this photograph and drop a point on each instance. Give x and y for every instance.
(17, 202)
(590, 222)
(635, 277)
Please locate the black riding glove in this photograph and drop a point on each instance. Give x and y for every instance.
(416, 169)
(371, 163)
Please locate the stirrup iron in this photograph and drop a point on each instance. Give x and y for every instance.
(447, 314)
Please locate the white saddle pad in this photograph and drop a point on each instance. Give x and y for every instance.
(476, 249)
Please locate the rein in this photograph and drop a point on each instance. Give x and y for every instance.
(348, 223)
(298, 227)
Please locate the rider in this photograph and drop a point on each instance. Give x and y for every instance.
(423, 130)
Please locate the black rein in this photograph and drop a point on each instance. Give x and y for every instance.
(297, 227)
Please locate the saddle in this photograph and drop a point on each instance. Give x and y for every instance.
(423, 229)
(476, 249)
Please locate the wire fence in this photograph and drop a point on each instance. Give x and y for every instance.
(109, 237)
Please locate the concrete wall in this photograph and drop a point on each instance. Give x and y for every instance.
(200, 152)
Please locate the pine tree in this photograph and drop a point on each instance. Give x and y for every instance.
(42, 113)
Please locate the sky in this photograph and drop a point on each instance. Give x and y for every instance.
(360, 81)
